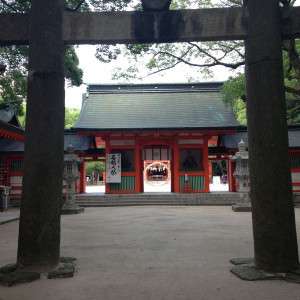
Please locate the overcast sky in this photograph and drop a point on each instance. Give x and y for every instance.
(97, 72)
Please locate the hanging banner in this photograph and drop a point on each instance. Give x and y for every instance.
(113, 168)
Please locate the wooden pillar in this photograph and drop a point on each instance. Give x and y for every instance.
(141, 174)
(82, 178)
(39, 229)
(274, 231)
(137, 161)
(231, 179)
(107, 151)
(205, 164)
(176, 166)
(172, 169)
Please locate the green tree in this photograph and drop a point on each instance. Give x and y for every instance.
(14, 63)
(71, 116)
(95, 166)
(22, 118)
(234, 93)
(14, 59)
(13, 81)
(149, 59)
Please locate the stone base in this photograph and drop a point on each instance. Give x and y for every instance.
(246, 270)
(10, 277)
(71, 209)
(14, 278)
(293, 276)
(63, 271)
(251, 273)
(242, 207)
(242, 260)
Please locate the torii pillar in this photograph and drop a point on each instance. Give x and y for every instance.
(39, 230)
(274, 230)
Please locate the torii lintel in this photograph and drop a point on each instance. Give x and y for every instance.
(144, 27)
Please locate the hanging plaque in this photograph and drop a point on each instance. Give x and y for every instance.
(113, 168)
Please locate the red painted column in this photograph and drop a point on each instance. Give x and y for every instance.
(206, 164)
(107, 151)
(176, 165)
(82, 178)
(137, 161)
(231, 179)
(142, 175)
(172, 170)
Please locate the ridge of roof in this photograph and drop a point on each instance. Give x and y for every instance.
(154, 88)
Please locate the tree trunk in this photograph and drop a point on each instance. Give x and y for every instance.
(274, 230)
(39, 230)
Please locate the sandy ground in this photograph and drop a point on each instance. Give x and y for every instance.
(150, 252)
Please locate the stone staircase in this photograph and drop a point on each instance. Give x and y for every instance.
(100, 199)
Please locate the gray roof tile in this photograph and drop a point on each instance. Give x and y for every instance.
(138, 109)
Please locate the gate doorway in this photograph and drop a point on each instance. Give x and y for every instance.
(157, 169)
(157, 176)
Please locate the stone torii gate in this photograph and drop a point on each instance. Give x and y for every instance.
(262, 24)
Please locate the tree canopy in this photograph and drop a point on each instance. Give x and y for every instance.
(71, 116)
(14, 59)
(14, 63)
(234, 93)
(148, 59)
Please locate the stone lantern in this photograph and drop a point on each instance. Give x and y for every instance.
(71, 162)
(242, 175)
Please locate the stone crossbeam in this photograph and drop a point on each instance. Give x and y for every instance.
(147, 27)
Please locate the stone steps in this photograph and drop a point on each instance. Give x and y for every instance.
(156, 199)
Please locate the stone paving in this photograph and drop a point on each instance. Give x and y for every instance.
(154, 252)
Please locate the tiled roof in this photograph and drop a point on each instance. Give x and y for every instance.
(80, 143)
(9, 123)
(231, 141)
(155, 107)
(8, 115)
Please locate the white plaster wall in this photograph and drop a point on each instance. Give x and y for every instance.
(296, 176)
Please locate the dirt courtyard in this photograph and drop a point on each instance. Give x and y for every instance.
(150, 252)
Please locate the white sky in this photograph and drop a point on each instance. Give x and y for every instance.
(97, 72)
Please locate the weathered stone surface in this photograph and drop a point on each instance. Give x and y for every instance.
(271, 189)
(4, 220)
(14, 278)
(82, 28)
(242, 207)
(71, 209)
(252, 274)
(67, 259)
(155, 5)
(39, 229)
(65, 271)
(293, 277)
(242, 260)
(8, 268)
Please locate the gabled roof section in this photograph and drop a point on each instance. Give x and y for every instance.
(144, 107)
(9, 123)
(8, 114)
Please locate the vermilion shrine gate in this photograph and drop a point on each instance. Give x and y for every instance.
(261, 23)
